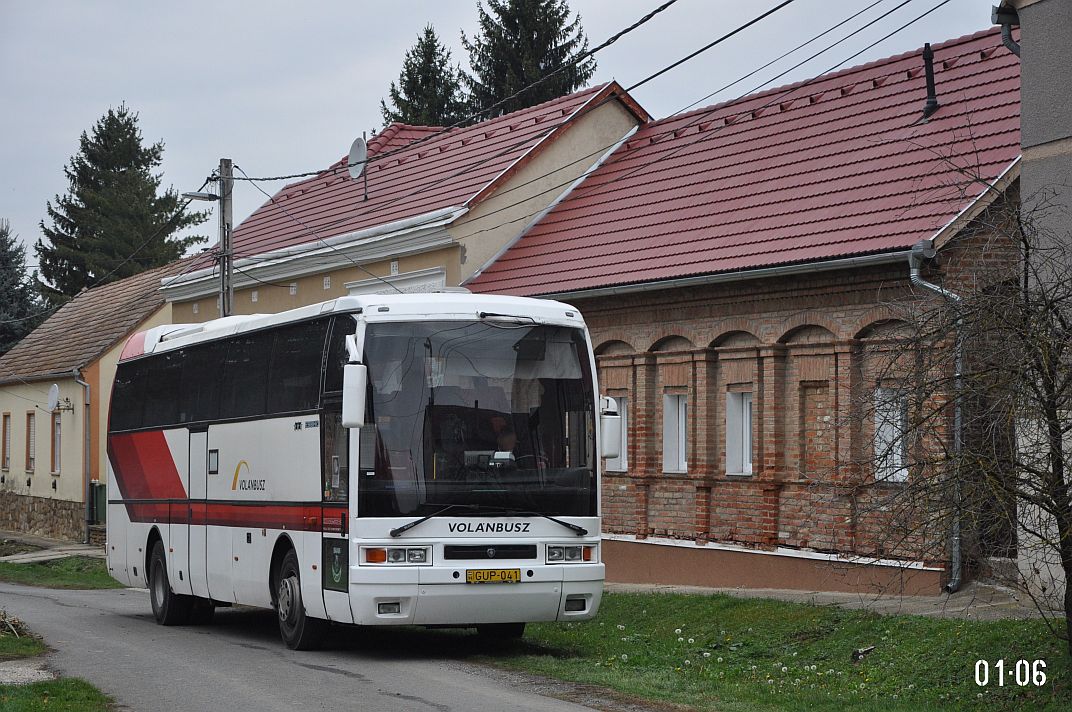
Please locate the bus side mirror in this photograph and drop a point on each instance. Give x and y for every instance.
(354, 387)
(610, 428)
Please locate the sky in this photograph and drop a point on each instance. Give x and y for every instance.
(284, 87)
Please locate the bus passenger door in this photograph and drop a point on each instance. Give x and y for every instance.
(335, 544)
(198, 512)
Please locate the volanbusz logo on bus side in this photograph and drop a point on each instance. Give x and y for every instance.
(488, 527)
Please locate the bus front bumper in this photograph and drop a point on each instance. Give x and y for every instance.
(432, 596)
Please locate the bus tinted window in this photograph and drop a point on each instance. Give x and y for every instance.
(294, 381)
(244, 376)
(162, 378)
(200, 395)
(337, 356)
(127, 397)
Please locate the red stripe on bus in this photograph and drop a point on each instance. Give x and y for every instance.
(295, 517)
(144, 468)
(135, 346)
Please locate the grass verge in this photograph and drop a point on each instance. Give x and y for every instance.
(72, 572)
(724, 653)
(64, 694)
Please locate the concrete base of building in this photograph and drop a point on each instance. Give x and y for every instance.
(643, 561)
(42, 516)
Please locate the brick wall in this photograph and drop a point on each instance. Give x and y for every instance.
(803, 347)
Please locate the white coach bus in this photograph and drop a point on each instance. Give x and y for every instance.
(375, 460)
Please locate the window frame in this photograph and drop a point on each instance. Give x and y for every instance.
(31, 441)
(5, 442)
(891, 454)
(675, 433)
(56, 442)
(621, 463)
(740, 433)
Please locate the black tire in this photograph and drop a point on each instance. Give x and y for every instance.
(299, 631)
(202, 611)
(500, 631)
(169, 608)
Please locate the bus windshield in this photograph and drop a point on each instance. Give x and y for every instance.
(471, 412)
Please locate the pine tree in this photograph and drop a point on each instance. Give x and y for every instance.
(111, 209)
(20, 310)
(429, 90)
(519, 42)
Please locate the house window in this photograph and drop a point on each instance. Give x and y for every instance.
(253, 296)
(327, 282)
(56, 443)
(891, 428)
(739, 433)
(621, 463)
(31, 441)
(293, 288)
(5, 456)
(675, 427)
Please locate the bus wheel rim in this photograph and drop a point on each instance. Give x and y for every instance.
(158, 585)
(286, 599)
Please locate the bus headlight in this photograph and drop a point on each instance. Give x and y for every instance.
(570, 554)
(396, 555)
(417, 556)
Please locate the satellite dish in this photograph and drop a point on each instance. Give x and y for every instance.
(358, 157)
(53, 396)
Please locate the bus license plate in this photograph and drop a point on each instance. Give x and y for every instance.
(493, 576)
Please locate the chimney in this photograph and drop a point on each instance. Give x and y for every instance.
(928, 66)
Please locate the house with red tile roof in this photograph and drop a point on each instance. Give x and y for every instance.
(433, 207)
(50, 457)
(737, 267)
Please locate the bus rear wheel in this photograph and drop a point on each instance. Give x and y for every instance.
(299, 631)
(501, 631)
(169, 608)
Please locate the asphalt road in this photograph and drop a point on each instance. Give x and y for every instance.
(238, 663)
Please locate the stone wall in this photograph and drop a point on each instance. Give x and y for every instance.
(42, 516)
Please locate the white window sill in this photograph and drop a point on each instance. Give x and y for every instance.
(740, 474)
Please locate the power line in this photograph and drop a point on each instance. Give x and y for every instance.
(585, 109)
(314, 233)
(674, 151)
(704, 114)
(502, 102)
(167, 223)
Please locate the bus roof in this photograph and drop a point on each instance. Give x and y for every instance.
(373, 307)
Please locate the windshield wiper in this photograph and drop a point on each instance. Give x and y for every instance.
(439, 512)
(579, 530)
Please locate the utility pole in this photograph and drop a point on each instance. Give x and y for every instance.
(226, 248)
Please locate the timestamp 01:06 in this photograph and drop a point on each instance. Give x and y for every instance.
(1010, 672)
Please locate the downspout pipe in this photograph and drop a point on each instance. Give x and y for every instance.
(924, 249)
(86, 455)
(1008, 18)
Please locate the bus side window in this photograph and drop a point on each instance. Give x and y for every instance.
(161, 385)
(294, 378)
(127, 397)
(341, 327)
(245, 375)
(199, 398)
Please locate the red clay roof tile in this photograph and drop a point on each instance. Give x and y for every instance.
(813, 171)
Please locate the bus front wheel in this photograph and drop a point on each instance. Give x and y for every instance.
(169, 608)
(299, 631)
